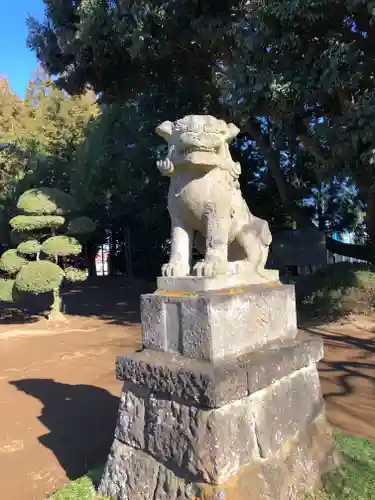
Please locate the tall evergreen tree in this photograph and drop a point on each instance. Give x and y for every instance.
(305, 68)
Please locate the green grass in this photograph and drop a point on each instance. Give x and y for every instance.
(337, 290)
(355, 480)
(81, 489)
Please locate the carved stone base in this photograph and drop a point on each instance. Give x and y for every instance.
(250, 428)
(132, 474)
(217, 324)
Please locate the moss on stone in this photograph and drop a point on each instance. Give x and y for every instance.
(74, 275)
(6, 290)
(81, 226)
(11, 262)
(46, 201)
(61, 246)
(30, 247)
(39, 277)
(35, 222)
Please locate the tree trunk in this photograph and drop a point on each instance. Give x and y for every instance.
(56, 308)
(91, 250)
(361, 252)
(370, 216)
(112, 252)
(273, 163)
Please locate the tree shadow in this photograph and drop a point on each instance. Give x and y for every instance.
(9, 315)
(347, 373)
(113, 299)
(81, 421)
(28, 308)
(348, 370)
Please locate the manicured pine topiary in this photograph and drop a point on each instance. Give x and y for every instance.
(46, 230)
(11, 262)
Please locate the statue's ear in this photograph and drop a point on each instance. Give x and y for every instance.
(164, 129)
(233, 131)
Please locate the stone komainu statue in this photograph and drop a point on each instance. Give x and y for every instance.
(205, 202)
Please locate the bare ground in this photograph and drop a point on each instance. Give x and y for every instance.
(59, 395)
(347, 374)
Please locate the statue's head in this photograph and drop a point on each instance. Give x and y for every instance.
(197, 140)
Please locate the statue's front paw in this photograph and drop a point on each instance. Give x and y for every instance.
(165, 167)
(210, 268)
(241, 267)
(175, 270)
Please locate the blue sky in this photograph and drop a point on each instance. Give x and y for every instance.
(17, 62)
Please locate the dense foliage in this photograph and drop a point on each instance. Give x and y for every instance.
(45, 131)
(39, 264)
(336, 290)
(306, 140)
(296, 76)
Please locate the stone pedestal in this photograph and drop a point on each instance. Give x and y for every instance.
(223, 402)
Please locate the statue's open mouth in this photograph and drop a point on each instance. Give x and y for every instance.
(200, 149)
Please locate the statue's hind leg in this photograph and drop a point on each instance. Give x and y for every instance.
(256, 254)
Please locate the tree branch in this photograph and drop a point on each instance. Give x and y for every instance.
(253, 128)
(361, 252)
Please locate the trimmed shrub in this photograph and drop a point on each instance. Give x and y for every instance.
(81, 226)
(35, 222)
(7, 290)
(42, 212)
(30, 247)
(46, 201)
(73, 274)
(337, 290)
(11, 262)
(39, 277)
(61, 246)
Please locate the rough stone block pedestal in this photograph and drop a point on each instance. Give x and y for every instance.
(223, 402)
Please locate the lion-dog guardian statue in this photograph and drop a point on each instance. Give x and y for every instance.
(205, 203)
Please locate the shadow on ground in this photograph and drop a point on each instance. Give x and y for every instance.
(112, 299)
(347, 373)
(81, 421)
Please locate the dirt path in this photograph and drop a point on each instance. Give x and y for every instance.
(59, 402)
(59, 396)
(347, 374)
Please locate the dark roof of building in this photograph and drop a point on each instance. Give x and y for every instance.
(299, 247)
